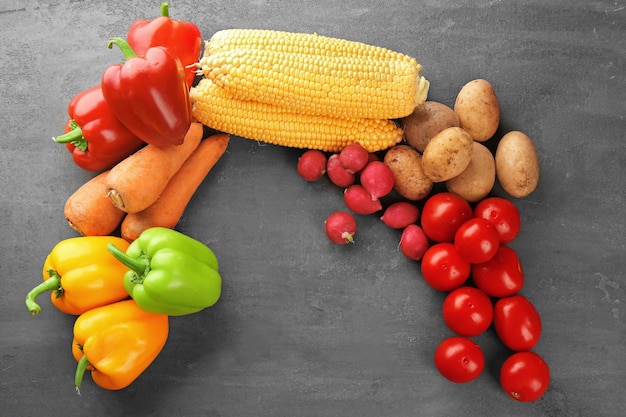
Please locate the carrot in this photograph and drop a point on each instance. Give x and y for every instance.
(137, 181)
(167, 210)
(89, 211)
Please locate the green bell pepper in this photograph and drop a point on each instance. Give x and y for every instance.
(170, 272)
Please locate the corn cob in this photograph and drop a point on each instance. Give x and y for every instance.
(215, 108)
(341, 86)
(292, 42)
(314, 74)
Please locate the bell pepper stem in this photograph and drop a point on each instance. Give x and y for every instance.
(51, 284)
(124, 47)
(140, 266)
(74, 136)
(83, 363)
(165, 9)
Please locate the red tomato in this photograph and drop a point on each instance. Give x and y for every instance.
(442, 214)
(517, 322)
(476, 240)
(442, 267)
(501, 276)
(459, 359)
(467, 311)
(525, 376)
(503, 214)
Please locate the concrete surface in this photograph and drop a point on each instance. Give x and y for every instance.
(305, 328)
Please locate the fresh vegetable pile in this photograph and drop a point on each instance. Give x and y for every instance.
(460, 234)
(361, 114)
(136, 131)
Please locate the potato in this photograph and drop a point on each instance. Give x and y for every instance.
(426, 121)
(478, 110)
(478, 179)
(447, 154)
(517, 164)
(406, 164)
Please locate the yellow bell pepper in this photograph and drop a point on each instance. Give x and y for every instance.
(81, 274)
(117, 342)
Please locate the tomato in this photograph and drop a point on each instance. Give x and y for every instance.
(442, 214)
(467, 311)
(517, 322)
(442, 267)
(459, 359)
(501, 276)
(503, 214)
(476, 240)
(525, 376)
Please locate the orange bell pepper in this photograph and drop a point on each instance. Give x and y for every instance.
(81, 274)
(117, 342)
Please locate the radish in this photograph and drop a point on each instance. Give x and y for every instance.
(413, 242)
(340, 227)
(377, 178)
(312, 165)
(357, 199)
(354, 157)
(337, 174)
(400, 214)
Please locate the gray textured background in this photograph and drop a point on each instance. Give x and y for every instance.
(306, 328)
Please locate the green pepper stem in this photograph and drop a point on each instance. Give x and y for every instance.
(51, 284)
(124, 47)
(74, 136)
(140, 266)
(165, 9)
(83, 363)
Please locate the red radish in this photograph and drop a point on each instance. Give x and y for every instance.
(312, 165)
(413, 242)
(400, 214)
(340, 227)
(337, 173)
(354, 157)
(377, 178)
(357, 199)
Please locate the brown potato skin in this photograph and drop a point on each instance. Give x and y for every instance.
(478, 110)
(477, 181)
(517, 164)
(426, 121)
(447, 154)
(406, 164)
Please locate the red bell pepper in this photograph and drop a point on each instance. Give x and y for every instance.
(149, 94)
(181, 38)
(94, 136)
